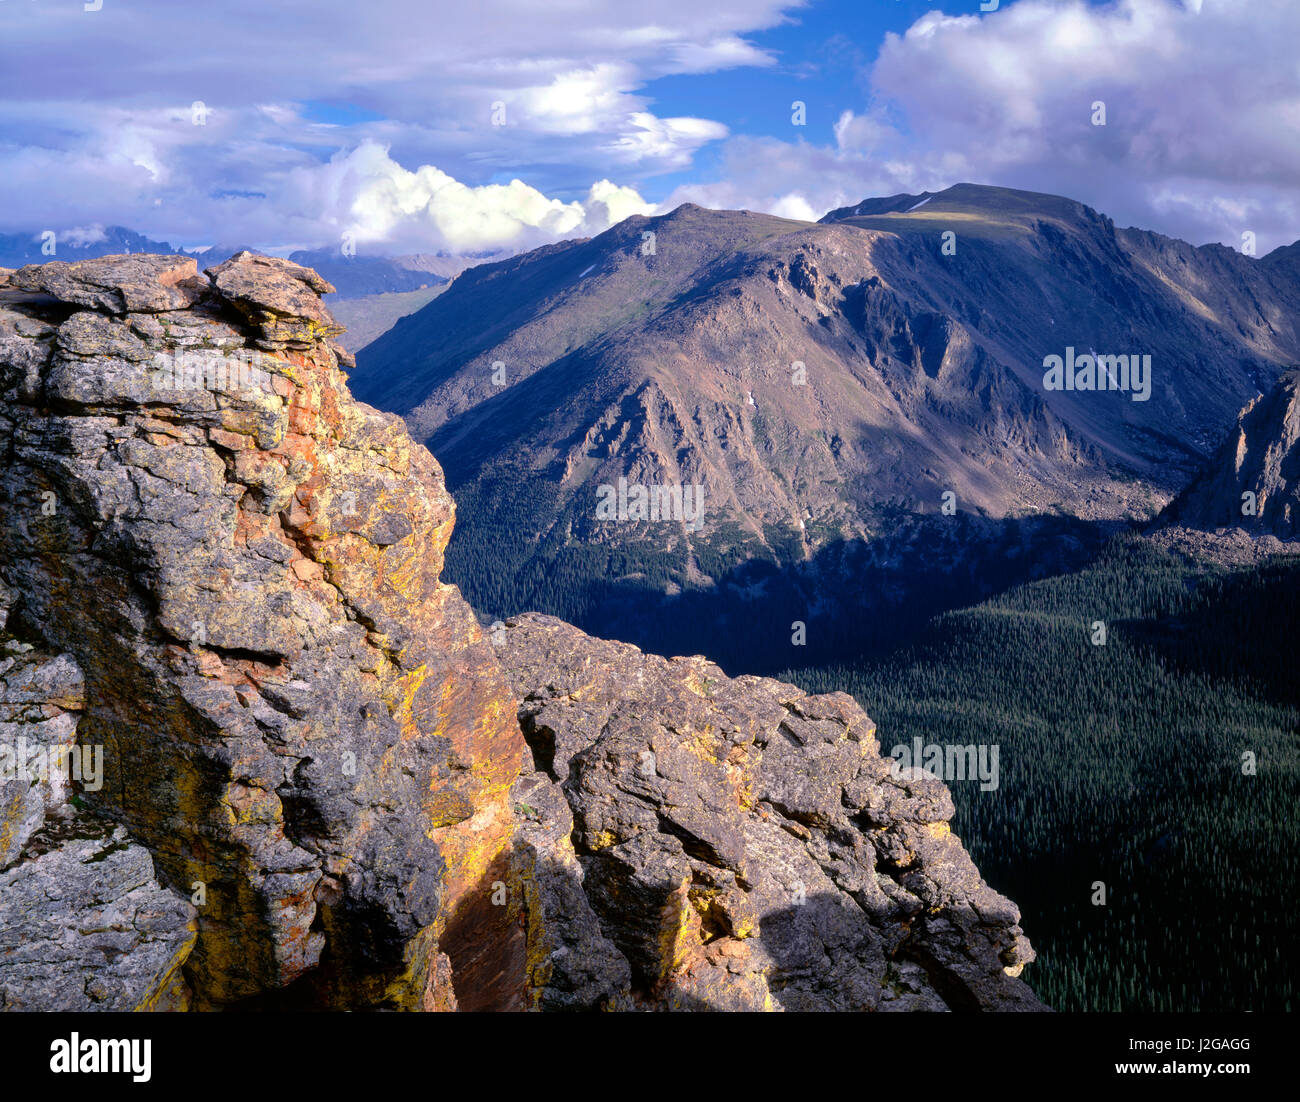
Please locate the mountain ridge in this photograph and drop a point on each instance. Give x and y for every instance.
(825, 383)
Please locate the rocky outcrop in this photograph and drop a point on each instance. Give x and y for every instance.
(744, 846)
(304, 726)
(223, 575)
(1253, 482)
(40, 699)
(84, 923)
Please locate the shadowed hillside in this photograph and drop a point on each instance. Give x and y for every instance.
(823, 384)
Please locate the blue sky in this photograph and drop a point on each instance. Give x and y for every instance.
(414, 126)
(822, 55)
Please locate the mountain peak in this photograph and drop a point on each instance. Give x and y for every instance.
(978, 208)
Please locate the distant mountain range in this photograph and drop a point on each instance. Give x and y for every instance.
(19, 249)
(832, 387)
(353, 276)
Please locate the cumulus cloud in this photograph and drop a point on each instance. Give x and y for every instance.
(238, 179)
(368, 195)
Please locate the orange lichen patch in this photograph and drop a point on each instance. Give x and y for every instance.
(248, 526)
(407, 577)
(208, 664)
(299, 369)
(304, 447)
(302, 418)
(680, 932)
(740, 781)
(446, 807)
(171, 993)
(249, 804)
(330, 412)
(307, 571)
(232, 441)
(405, 712)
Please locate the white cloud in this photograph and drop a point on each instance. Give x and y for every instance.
(794, 205)
(721, 53)
(669, 141)
(1201, 94)
(80, 236)
(608, 204)
(368, 194)
(577, 102)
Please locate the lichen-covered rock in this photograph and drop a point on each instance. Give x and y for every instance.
(299, 720)
(572, 965)
(119, 284)
(84, 925)
(281, 298)
(746, 847)
(41, 697)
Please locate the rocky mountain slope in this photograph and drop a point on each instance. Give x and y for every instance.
(321, 785)
(1253, 482)
(824, 384)
(371, 316)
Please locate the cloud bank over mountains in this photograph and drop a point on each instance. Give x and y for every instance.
(402, 125)
(1202, 117)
